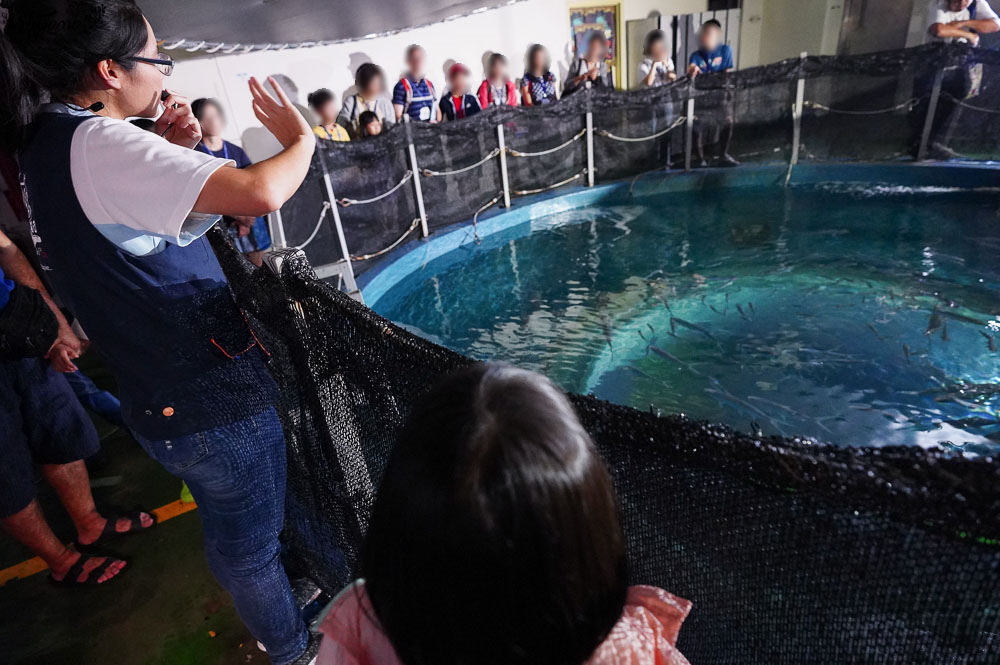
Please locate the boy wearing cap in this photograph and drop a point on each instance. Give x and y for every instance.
(458, 102)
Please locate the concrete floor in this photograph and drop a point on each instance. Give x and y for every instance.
(163, 611)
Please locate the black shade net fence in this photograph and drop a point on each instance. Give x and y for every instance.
(793, 552)
(853, 108)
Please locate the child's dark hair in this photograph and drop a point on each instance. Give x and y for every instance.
(367, 73)
(319, 98)
(494, 60)
(50, 47)
(495, 538)
(533, 52)
(712, 23)
(198, 107)
(366, 118)
(652, 38)
(597, 36)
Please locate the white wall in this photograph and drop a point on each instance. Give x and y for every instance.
(509, 30)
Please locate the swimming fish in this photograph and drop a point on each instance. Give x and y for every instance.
(712, 307)
(906, 352)
(606, 326)
(638, 371)
(935, 322)
(872, 328)
(692, 326)
(750, 305)
(991, 343)
(666, 354)
(651, 328)
(740, 310)
(642, 336)
(944, 332)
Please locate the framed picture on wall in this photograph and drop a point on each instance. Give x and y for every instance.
(599, 18)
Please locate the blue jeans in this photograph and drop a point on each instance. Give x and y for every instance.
(237, 476)
(94, 399)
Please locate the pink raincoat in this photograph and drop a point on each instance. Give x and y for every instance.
(645, 634)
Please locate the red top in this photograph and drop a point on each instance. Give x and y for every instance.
(486, 94)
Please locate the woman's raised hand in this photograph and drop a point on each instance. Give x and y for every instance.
(279, 116)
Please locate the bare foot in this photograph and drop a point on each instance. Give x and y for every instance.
(61, 567)
(94, 528)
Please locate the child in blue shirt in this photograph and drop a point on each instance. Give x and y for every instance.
(713, 56)
(414, 93)
(458, 103)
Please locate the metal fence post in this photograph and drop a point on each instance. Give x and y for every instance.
(925, 136)
(277, 228)
(689, 125)
(800, 90)
(502, 144)
(341, 238)
(590, 136)
(416, 177)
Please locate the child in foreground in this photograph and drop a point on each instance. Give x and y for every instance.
(495, 540)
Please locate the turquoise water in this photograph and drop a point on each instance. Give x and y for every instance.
(854, 315)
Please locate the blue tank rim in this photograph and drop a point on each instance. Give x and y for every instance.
(410, 257)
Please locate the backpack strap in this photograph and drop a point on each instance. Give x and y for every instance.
(409, 93)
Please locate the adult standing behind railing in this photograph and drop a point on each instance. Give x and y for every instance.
(370, 82)
(120, 216)
(591, 66)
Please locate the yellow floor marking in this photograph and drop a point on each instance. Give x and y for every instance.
(36, 565)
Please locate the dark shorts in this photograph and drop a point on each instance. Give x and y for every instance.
(41, 422)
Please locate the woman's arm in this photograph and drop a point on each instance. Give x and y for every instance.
(264, 186)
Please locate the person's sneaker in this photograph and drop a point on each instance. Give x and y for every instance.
(728, 160)
(941, 152)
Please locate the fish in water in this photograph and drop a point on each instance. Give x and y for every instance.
(651, 328)
(740, 310)
(712, 307)
(606, 326)
(666, 354)
(692, 326)
(673, 326)
(935, 322)
(906, 352)
(944, 332)
(991, 342)
(872, 328)
(750, 305)
(638, 371)
(703, 300)
(642, 336)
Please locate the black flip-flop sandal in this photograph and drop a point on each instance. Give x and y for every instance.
(110, 532)
(72, 576)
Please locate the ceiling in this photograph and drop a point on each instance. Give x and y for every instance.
(281, 21)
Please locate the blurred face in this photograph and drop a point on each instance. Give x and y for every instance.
(710, 37)
(538, 61)
(958, 5)
(595, 50)
(459, 82)
(498, 71)
(212, 122)
(373, 128)
(415, 61)
(376, 88)
(658, 50)
(139, 94)
(327, 112)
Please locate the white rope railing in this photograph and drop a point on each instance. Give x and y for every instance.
(365, 257)
(519, 153)
(493, 153)
(525, 192)
(637, 139)
(974, 107)
(319, 223)
(908, 104)
(344, 201)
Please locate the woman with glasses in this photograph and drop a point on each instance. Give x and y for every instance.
(119, 216)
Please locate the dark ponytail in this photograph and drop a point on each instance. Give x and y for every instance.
(49, 48)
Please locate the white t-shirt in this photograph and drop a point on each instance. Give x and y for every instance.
(939, 13)
(137, 188)
(662, 75)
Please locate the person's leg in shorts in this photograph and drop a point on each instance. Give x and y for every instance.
(236, 474)
(44, 424)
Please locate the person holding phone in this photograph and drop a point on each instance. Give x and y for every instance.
(118, 216)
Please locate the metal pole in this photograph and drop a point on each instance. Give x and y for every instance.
(277, 229)
(590, 137)
(416, 177)
(502, 144)
(689, 126)
(335, 210)
(925, 136)
(800, 90)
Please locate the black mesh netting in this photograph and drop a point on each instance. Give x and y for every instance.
(792, 552)
(855, 108)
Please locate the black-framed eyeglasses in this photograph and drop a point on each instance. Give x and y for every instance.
(162, 61)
